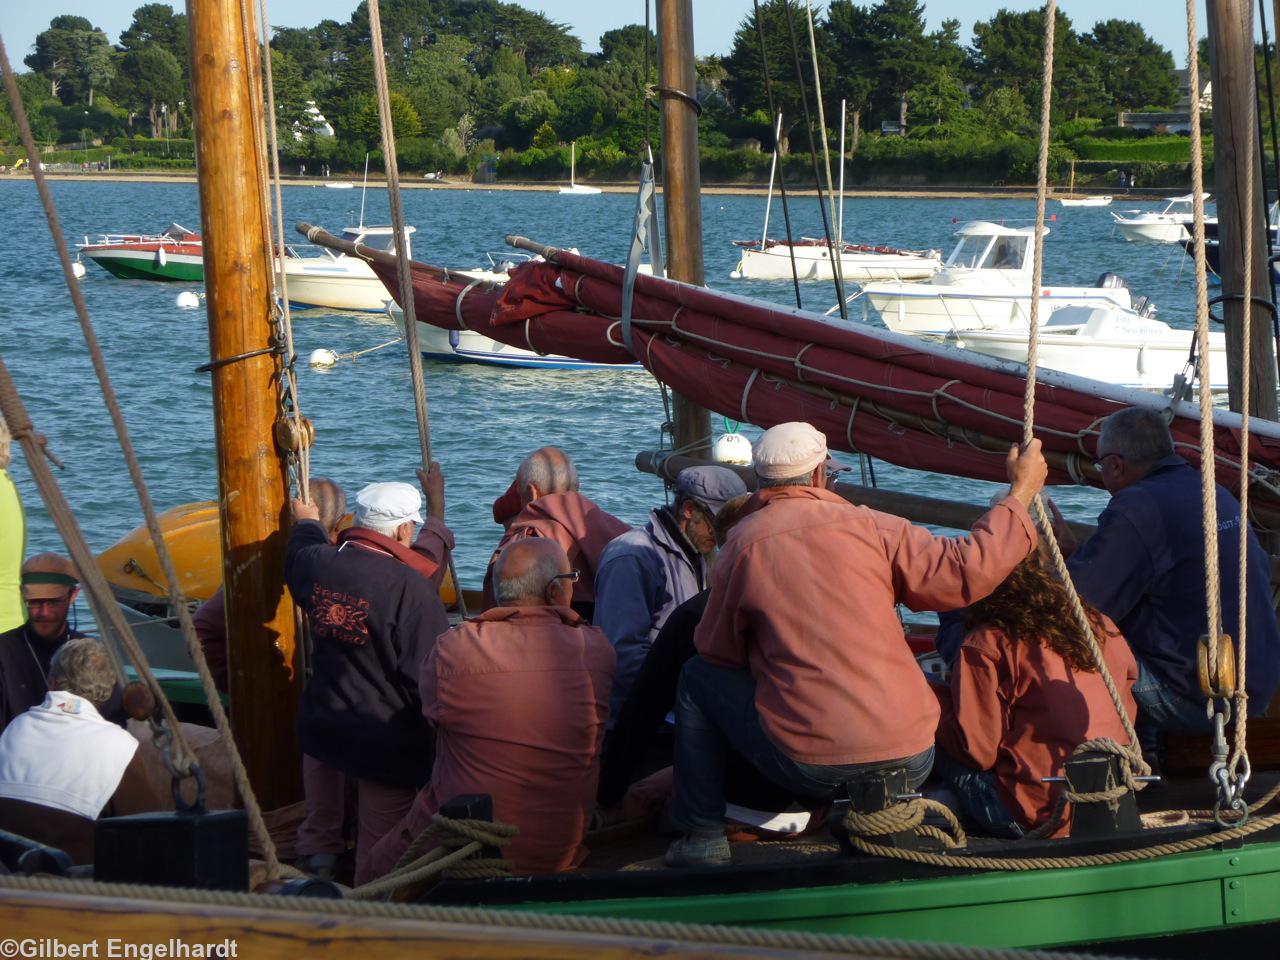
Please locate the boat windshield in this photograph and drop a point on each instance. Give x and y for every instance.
(1007, 253)
(968, 252)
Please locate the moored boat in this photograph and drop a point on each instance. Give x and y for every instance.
(175, 254)
(337, 280)
(1168, 225)
(813, 261)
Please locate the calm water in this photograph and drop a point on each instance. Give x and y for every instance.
(484, 420)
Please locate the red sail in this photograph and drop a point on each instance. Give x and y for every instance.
(913, 403)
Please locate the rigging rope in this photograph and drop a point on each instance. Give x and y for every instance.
(834, 246)
(402, 256)
(105, 609)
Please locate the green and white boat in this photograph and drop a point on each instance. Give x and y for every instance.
(175, 254)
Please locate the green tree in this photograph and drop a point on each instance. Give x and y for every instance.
(1135, 71)
(902, 54)
(1008, 50)
(626, 44)
(150, 81)
(545, 137)
(849, 30)
(522, 116)
(75, 56)
(941, 99)
(440, 81)
(404, 120)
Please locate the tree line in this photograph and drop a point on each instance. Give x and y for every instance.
(472, 79)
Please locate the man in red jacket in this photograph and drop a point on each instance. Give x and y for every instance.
(518, 697)
(552, 507)
(803, 666)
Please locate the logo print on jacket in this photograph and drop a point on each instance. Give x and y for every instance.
(339, 616)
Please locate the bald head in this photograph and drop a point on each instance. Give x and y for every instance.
(525, 569)
(546, 470)
(331, 502)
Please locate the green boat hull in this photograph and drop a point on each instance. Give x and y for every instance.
(149, 269)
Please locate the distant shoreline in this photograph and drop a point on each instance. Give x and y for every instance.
(730, 189)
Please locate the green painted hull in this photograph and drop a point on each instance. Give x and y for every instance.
(141, 270)
(1165, 896)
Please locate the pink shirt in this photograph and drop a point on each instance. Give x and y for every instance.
(1019, 710)
(804, 593)
(572, 521)
(520, 697)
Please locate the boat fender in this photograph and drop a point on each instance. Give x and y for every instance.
(187, 300)
(322, 358)
(161, 258)
(77, 270)
(732, 448)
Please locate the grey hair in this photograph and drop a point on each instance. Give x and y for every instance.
(5, 439)
(804, 480)
(1138, 435)
(550, 469)
(530, 585)
(83, 667)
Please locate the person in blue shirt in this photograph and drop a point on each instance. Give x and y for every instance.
(1144, 568)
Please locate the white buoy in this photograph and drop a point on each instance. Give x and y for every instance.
(732, 448)
(187, 300)
(322, 358)
(77, 269)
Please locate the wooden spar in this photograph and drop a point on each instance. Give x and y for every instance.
(909, 506)
(681, 185)
(253, 486)
(1235, 127)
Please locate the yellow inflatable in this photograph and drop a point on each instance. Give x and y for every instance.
(193, 534)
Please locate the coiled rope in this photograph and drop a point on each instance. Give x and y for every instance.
(459, 839)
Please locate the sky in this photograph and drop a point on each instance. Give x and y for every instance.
(715, 21)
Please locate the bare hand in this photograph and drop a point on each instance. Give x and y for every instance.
(304, 510)
(1061, 530)
(1027, 471)
(432, 482)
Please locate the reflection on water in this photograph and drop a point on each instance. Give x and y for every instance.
(483, 419)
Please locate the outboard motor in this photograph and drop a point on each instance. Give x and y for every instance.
(1111, 281)
(1143, 307)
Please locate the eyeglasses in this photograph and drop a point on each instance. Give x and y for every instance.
(573, 576)
(1097, 464)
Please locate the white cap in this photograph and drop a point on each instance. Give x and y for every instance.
(788, 450)
(388, 504)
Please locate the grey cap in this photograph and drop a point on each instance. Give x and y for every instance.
(712, 487)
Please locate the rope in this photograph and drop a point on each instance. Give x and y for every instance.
(735, 936)
(402, 256)
(834, 248)
(99, 592)
(459, 839)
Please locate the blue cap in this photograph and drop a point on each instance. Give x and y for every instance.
(712, 487)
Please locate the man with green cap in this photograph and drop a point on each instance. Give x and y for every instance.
(49, 587)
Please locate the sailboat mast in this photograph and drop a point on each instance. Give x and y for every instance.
(1230, 24)
(253, 484)
(681, 185)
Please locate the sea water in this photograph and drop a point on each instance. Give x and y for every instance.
(483, 419)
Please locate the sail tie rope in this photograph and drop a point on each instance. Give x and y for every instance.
(459, 839)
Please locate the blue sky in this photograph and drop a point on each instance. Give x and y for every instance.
(714, 20)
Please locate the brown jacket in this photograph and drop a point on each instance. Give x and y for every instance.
(804, 594)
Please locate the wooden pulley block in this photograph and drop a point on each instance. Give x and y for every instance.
(293, 435)
(1222, 686)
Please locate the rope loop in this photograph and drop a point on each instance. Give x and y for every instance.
(674, 94)
(907, 816)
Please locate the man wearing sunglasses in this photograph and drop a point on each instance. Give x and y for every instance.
(49, 588)
(518, 697)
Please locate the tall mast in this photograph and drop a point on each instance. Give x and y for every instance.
(681, 184)
(253, 484)
(1235, 126)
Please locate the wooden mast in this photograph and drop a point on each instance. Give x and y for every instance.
(1235, 127)
(681, 186)
(253, 484)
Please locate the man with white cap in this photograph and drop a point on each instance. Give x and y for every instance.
(645, 574)
(49, 588)
(803, 668)
(374, 610)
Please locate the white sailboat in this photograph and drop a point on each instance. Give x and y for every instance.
(1072, 199)
(575, 189)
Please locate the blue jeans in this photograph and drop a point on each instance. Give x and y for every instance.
(716, 709)
(980, 801)
(1161, 708)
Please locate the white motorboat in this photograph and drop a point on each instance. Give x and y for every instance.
(813, 261)
(575, 189)
(1169, 225)
(338, 281)
(1103, 343)
(985, 284)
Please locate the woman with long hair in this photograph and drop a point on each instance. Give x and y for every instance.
(1024, 694)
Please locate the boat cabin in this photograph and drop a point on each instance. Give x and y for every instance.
(378, 238)
(991, 246)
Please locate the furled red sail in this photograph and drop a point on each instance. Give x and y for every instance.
(917, 404)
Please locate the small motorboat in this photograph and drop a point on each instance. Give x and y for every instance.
(1169, 225)
(1073, 199)
(575, 189)
(175, 254)
(1110, 344)
(985, 284)
(813, 261)
(336, 280)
